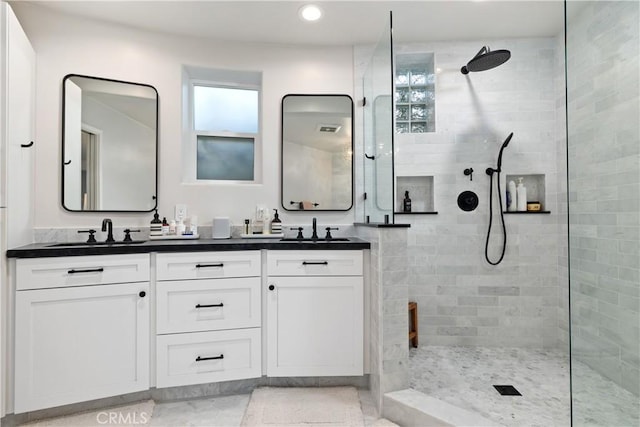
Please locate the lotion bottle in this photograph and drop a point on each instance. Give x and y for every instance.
(521, 196)
(511, 196)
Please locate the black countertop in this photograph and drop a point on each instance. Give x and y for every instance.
(46, 250)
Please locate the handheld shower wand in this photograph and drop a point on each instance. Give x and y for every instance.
(491, 172)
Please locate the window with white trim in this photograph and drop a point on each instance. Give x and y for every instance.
(224, 143)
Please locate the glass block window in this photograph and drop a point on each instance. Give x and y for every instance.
(225, 158)
(415, 93)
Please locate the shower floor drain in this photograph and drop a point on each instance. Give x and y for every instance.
(507, 390)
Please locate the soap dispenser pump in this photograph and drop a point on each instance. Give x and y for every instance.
(276, 224)
(155, 227)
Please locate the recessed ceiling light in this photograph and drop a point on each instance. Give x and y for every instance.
(310, 12)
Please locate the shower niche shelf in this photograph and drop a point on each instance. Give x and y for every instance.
(416, 213)
(535, 185)
(420, 190)
(527, 212)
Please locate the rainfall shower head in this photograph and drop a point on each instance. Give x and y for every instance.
(486, 59)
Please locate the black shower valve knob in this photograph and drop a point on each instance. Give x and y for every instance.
(469, 172)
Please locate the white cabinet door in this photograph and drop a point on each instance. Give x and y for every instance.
(80, 343)
(314, 326)
(20, 125)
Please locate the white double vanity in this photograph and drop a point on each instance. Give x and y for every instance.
(96, 326)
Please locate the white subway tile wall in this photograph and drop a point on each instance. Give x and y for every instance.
(462, 299)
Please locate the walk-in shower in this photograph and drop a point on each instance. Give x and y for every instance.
(557, 319)
(486, 59)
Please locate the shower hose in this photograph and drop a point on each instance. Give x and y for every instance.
(504, 228)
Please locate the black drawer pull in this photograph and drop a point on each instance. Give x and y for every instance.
(315, 262)
(142, 294)
(200, 359)
(90, 270)
(209, 305)
(209, 265)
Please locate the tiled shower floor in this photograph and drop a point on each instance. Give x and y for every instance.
(464, 376)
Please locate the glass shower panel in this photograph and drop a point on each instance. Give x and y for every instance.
(378, 132)
(603, 106)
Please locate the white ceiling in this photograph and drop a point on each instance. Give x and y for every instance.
(343, 23)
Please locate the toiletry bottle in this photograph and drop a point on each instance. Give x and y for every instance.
(521, 196)
(406, 203)
(180, 227)
(155, 227)
(165, 226)
(276, 224)
(193, 227)
(247, 227)
(172, 227)
(511, 196)
(266, 224)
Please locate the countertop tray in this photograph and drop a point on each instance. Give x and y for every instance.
(176, 237)
(262, 236)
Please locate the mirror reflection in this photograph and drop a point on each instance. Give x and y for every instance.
(109, 147)
(317, 152)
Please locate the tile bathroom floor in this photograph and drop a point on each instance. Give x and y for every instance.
(221, 411)
(464, 376)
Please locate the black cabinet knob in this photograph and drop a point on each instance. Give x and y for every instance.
(271, 287)
(142, 294)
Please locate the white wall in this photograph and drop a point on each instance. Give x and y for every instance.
(66, 44)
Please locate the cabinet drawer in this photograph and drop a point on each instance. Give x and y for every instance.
(203, 357)
(314, 263)
(206, 265)
(40, 273)
(209, 304)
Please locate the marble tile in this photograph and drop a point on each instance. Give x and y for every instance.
(220, 411)
(127, 415)
(464, 376)
(214, 412)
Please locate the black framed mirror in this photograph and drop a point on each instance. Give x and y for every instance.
(317, 152)
(109, 145)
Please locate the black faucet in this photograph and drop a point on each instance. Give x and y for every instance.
(314, 236)
(107, 225)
